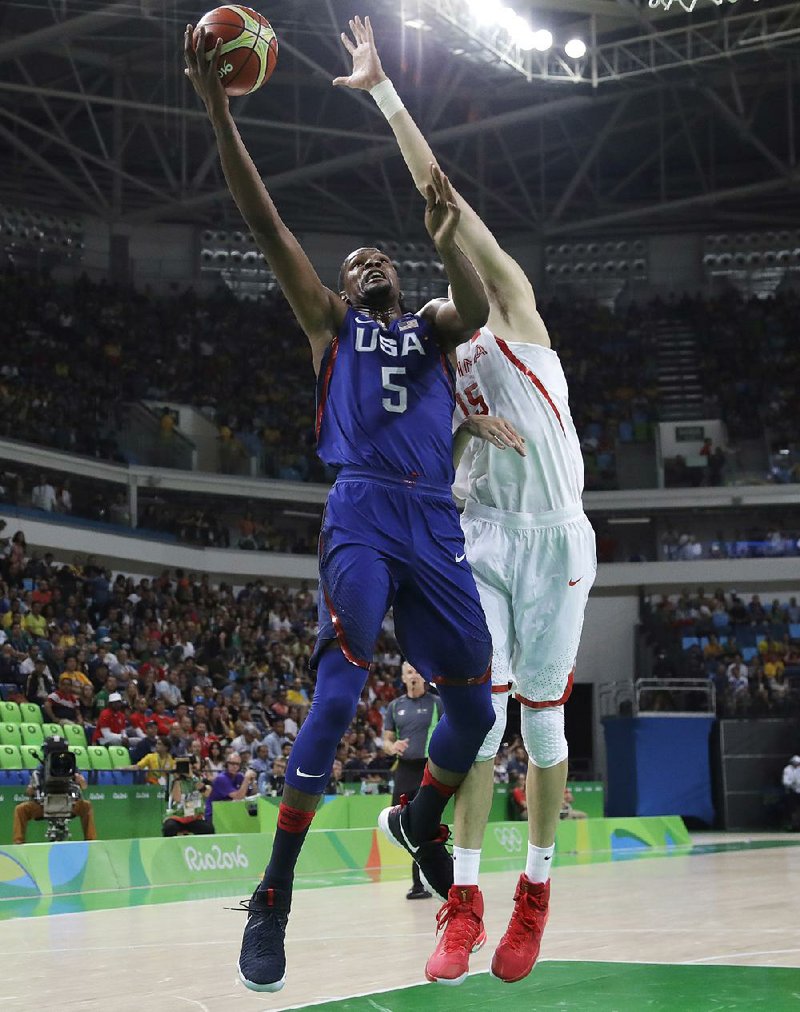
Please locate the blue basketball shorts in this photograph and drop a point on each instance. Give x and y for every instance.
(386, 542)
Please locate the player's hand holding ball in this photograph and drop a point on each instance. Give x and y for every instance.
(240, 50)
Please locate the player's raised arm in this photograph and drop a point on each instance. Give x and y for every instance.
(455, 319)
(318, 310)
(513, 304)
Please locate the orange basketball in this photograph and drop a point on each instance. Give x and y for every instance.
(249, 48)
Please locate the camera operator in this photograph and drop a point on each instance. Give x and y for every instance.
(186, 800)
(55, 792)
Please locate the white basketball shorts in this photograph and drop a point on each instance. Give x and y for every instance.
(534, 573)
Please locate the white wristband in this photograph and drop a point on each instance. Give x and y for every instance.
(386, 98)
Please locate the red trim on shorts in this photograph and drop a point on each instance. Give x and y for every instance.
(512, 358)
(326, 382)
(478, 680)
(550, 702)
(502, 688)
(340, 636)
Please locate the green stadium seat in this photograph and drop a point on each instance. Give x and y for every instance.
(99, 757)
(30, 756)
(9, 713)
(10, 759)
(50, 729)
(82, 760)
(30, 713)
(10, 734)
(32, 734)
(74, 734)
(120, 756)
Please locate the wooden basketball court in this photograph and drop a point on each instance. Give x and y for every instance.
(683, 932)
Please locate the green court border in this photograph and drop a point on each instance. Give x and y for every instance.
(585, 986)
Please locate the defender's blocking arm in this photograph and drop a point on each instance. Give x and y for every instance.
(510, 292)
(318, 310)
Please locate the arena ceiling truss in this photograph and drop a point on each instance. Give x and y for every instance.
(671, 120)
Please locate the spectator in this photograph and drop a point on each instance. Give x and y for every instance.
(111, 723)
(186, 804)
(61, 705)
(231, 784)
(791, 788)
(157, 765)
(43, 496)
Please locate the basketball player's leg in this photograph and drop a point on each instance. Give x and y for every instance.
(442, 631)
(355, 592)
(463, 932)
(441, 628)
(555, 581)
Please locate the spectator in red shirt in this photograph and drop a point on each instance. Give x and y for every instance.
(161, 717)
(111, 723)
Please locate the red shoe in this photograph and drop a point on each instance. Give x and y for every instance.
(519, 947)
(462, 920)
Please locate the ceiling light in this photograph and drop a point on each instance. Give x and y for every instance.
(417, 23)
(485, 11)
(575, 49)
(542, 40)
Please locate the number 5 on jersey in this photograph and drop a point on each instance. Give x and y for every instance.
(397, 401)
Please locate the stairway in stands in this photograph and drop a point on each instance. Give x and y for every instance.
(680, 392)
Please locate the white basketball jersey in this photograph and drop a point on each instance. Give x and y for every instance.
(525, 384)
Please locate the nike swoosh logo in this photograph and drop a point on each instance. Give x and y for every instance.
(309, 776)
(460, 558)
(573, 582)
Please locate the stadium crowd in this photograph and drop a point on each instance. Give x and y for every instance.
(749, 649)
(75, 355)
(178, 666)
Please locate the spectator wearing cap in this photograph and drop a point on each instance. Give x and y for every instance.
(791, 787)
(111, 723)
(61, 705)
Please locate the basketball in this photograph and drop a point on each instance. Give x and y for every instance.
(249, 48)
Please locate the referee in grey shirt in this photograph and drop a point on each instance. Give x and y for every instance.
(407, 729)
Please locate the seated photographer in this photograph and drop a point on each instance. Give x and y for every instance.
(56, 778)
(186, 801)
(156, 764)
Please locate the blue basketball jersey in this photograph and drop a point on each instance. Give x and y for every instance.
(385, 399)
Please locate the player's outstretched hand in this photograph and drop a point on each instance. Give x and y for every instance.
(203, 72)
(497, 431)
(367, 69)
(442, 213)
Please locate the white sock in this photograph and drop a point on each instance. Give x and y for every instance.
(466, 864)
(539, 860)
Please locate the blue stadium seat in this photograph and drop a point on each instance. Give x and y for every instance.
(124, 776)
(690, 641)
(794, 630)
(720, 620)
(105, 777)
(748, 653)
(13, 778)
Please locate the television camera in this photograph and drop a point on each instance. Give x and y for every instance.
(56, 790)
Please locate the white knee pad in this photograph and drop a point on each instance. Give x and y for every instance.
(543, 734)
(493, 740)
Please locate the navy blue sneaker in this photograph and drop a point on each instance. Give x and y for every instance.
(262, 960)
(434, 859)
